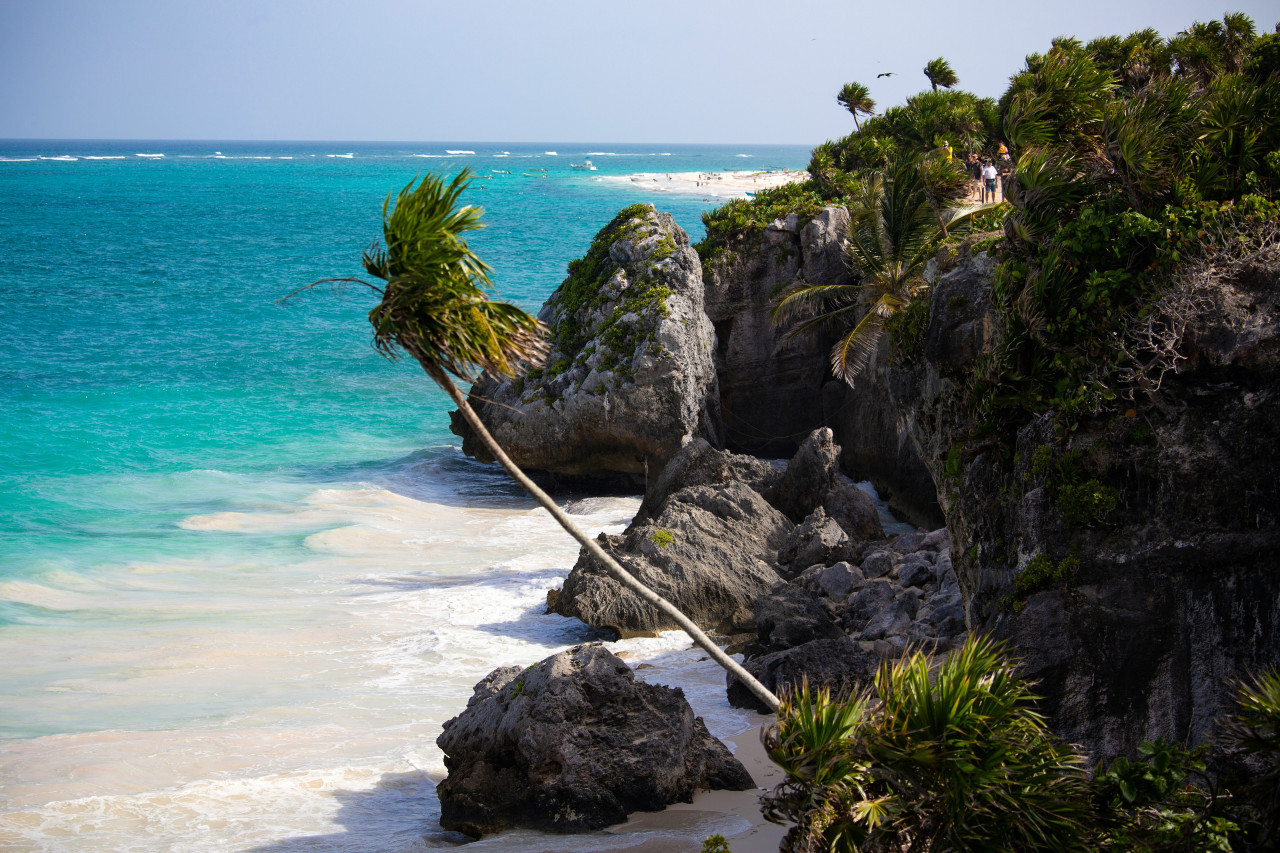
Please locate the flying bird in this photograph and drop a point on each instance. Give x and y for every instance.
(884, 74)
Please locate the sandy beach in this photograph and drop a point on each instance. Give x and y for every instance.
(718, 185)
(685, 820)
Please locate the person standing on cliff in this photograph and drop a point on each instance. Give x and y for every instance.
(988, 182)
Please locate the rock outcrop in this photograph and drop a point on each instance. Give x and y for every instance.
(710, 552)
(630, 375)
(575, 743)
(835, 622)
(713, 533)
(771, 392)
(1129, 561)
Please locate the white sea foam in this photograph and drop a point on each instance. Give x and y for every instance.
(458, 151)
(322, 675)
(151, 156)
(551, 154)
(347, 156)
(18, 159)
(742, 155)
(63, 158)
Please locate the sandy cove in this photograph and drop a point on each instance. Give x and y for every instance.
(717, 185)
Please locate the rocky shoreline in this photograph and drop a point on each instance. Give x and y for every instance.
(1134, 616)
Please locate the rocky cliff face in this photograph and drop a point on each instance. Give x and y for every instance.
(771, 392)
(1130, 560)
(774, 393)
(630, 374)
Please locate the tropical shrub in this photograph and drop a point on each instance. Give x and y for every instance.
(950, 759)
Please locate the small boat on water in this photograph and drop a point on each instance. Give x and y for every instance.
(584, 166)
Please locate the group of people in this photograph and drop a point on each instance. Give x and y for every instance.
(986, 176)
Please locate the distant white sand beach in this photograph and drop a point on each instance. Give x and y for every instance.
(720, 185)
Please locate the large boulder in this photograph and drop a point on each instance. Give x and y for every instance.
(572, 744)
(629, 377)
(709, 552)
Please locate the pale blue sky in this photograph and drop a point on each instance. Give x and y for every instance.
(641, 71)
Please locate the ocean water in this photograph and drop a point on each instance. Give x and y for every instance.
(245, 571)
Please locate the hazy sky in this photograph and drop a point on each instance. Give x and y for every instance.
(421, 70)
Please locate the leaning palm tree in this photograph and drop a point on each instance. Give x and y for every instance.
(856, 98)
(434, 308)
(893, 232)
(940, 73)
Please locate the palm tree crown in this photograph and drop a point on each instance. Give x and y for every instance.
(940, 73)
(435, 308)
(434, 305)
(894, 227)
(856, 98)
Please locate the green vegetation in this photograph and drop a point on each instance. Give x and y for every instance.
(662, 538)
(895, 228)
(1134, 157)
(954, 757)
(949, 759)
(940, 73)
(856, 98)
(1040, 574)
(715, 844)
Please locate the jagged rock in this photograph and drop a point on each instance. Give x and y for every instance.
(810, 476)
(819, 540)
(947, 616)
(835, 582)
(853, 510)
(875, 595)
(893, 619)
(915, 571)
(790, 616)
(708, 552)
(770, 393)
(575, 743)
(839, 665)
(700, 464)
(876, 563)
(630, 374)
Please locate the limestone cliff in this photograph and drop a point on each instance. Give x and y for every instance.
(629, 378)
(773, 393)
(1129, 559)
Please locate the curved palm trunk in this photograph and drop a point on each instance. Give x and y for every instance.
(593, 547)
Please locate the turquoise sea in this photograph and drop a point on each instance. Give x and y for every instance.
(245, 572)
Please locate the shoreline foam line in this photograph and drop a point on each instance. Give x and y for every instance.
(717, 185)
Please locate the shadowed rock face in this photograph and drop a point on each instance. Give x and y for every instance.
(575, 743)
(771, 394)
(630, 374)
(1169, 592)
